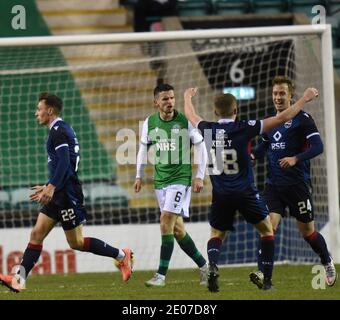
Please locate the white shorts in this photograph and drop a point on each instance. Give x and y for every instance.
(175, 199)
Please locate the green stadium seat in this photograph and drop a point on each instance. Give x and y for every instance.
(270, 6)
(4, 199)
(102, 193)
(194, 7)
(232, 7)
(153, 19)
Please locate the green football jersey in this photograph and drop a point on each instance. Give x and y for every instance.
(171, 141)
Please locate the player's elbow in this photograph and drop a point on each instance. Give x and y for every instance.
(316, 145)
(320, 148)
(188, 114)
(282, 117)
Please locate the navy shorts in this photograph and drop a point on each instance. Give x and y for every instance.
(67, 206)
(298, 198)
(224, 207)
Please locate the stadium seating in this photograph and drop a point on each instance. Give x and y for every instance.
(222, 7)
(104, 194)
(269, 6)
(194, 7)
(305, 6)
(4, 199)
(94, 194)
(20, 199)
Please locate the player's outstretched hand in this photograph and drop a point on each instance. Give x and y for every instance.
(37, 190)
(310, 94)
(190, 92)
(197, 185)
(42, 194)
(138, 185)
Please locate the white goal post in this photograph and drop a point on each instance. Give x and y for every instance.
(19, 76)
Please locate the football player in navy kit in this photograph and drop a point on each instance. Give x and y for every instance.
(61, 198)
(232, 178)
(289, 148)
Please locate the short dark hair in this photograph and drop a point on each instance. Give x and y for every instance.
(286, 80)
(162, 87)
(224, 104)
(52, 101)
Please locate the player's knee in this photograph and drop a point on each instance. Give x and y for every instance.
(77, 244)
(179, 233)
(166, 224)
(265, 228)
(166, 228)
(306, 234)
(306, 229)
(266, 232)
(36, 236)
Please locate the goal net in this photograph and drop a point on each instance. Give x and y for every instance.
(107, 90)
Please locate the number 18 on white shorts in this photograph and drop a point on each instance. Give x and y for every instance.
(174, 198)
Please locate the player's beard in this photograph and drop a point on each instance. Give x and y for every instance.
(169, 110)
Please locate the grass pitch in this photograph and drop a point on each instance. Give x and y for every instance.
(291, 283)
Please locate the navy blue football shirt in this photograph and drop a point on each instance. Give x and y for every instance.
(63, 154)
(227, 143)
(287, 140)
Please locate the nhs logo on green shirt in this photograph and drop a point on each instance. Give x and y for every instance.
(171, 145)
(170, 139)
(166, 145)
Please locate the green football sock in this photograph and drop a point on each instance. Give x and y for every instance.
(189, 247)
(166, 251)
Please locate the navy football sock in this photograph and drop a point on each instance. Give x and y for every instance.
(100, 248)
(267, 256)
(214, 249)
(318, 244)
(259, 256)
(30, 258)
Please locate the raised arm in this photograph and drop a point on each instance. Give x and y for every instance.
(189, 109)
(291, 112)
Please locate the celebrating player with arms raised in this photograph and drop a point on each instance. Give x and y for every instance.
(232, 177)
